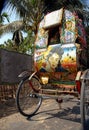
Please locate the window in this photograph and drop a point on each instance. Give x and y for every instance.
(54, 35)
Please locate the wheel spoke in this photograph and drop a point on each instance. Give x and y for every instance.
(27, 100)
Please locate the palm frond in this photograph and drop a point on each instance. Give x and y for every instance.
(11, 27)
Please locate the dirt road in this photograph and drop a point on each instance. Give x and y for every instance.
(49, 117)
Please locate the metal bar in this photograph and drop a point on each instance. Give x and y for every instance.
(58, 92)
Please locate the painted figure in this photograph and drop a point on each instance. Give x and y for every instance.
(52, 60)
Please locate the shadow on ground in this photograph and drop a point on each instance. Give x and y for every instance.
(7, 108)
(67, 113)
(46, 113)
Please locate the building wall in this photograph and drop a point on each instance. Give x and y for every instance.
(12, 64)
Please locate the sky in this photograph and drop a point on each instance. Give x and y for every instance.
(13, 16)
(4, 37)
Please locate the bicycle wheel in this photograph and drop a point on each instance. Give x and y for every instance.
(84, 103)
(35, 84)
(28, 102)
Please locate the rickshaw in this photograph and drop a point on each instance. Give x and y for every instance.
(60, 65)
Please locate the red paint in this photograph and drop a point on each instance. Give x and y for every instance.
(78, 86)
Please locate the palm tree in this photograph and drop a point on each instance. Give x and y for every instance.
(32, 11)
(11, 27)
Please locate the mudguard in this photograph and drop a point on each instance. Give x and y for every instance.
(24, 74)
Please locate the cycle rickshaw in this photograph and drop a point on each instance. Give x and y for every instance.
(60, 64)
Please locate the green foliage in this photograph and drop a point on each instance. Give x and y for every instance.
(25, 47)
(4, 16)
(32, 11)
(8, 45)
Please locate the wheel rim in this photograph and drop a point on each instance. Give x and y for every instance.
(86, 101)
(28, 101)
(35, 84)
(84, 104)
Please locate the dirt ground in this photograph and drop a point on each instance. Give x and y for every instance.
(67, 118)
(7, 108)
(49, 116)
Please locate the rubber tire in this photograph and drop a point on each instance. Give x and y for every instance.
(20, 87)
(82, 105)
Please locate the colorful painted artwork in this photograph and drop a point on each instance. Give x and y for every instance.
(81, 32)
(59, 54)
(42, 37)
(68, 29)
(56, 58)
